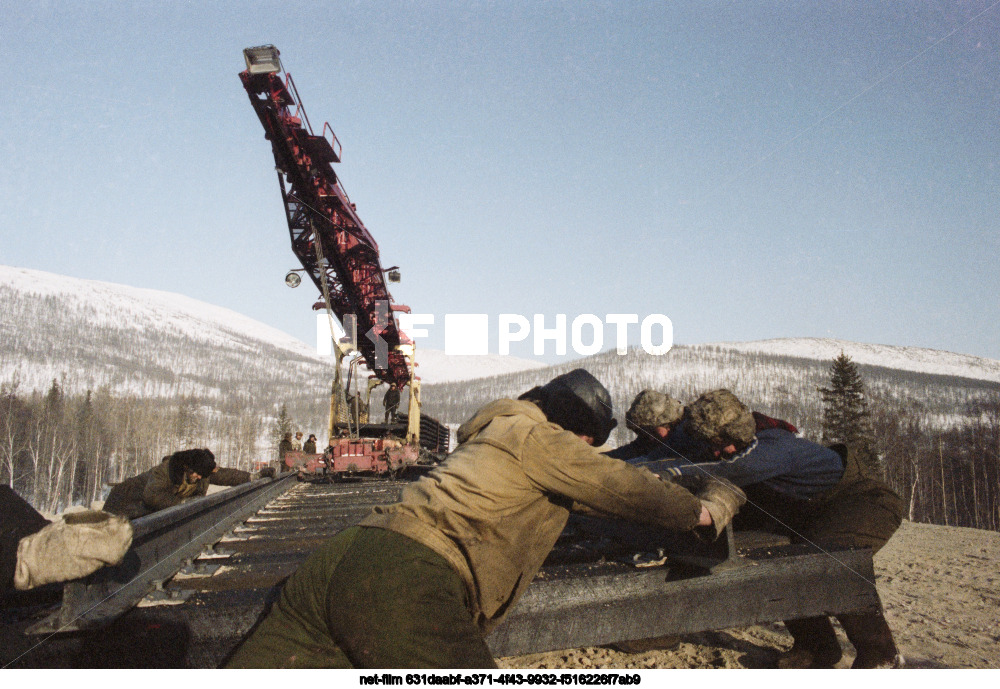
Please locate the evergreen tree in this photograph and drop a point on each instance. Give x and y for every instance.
(85, 449)
(282, 425)
(54, 402)
(846, 417)
(188, 422)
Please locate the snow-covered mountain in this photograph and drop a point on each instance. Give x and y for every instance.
(888, 356)
(783, 382)
(150, 342)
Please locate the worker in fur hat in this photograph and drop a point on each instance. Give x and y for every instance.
(801, 489)
(180, 476)
(651, 417)
(420, 582)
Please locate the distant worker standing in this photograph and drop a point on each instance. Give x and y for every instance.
(391, 403)
(284, 447)
(309, 446)
(297, 443)
(799, 488)
(419, 583)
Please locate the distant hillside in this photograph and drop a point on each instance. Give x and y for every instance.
(149, 343)
(887, 356)
(776, 383)
(159, 344)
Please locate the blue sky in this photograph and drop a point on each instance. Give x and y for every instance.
(750, 170)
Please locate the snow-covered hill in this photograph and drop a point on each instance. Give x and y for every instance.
(150, 342)
(888, 356)
(159, 344)
(782, 383)
(113, 305)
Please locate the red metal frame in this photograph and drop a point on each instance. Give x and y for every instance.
(354, 456)
(318, 208)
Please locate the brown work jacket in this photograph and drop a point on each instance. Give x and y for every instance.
(496, 506)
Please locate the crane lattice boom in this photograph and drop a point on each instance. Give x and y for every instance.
(346, 266)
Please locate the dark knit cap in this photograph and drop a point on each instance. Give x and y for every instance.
(578, 402)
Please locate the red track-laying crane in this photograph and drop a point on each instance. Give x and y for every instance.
(328, 237)
(342, 259)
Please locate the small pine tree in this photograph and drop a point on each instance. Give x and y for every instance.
(54, 401)
(282, 425)
(188, 422)
(846, 417)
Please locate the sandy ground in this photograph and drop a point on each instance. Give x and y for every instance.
(940, 586)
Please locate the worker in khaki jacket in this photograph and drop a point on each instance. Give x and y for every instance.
(419, 583)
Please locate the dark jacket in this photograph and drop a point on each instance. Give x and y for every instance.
(777, 458)
(163, 486)
(167, 487)
(799, 488)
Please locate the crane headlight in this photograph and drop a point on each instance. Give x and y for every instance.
(262, 60)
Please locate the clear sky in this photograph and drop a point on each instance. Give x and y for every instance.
(751, 170)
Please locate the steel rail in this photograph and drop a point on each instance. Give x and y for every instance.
(590, 591)
(593, 611)
(162, 543)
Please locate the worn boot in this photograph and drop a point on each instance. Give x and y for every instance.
(816, 645)
(872, 639)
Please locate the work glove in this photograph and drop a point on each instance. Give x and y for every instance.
(266, 472)
(75, 546)
(723, 500)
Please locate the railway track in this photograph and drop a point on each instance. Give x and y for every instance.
(196, 617)
(227, 561)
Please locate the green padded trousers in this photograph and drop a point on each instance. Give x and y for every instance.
(369, 598)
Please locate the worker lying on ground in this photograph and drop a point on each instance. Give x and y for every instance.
(419, 583)
(35, 551)
(179, 477)
(798, 488)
